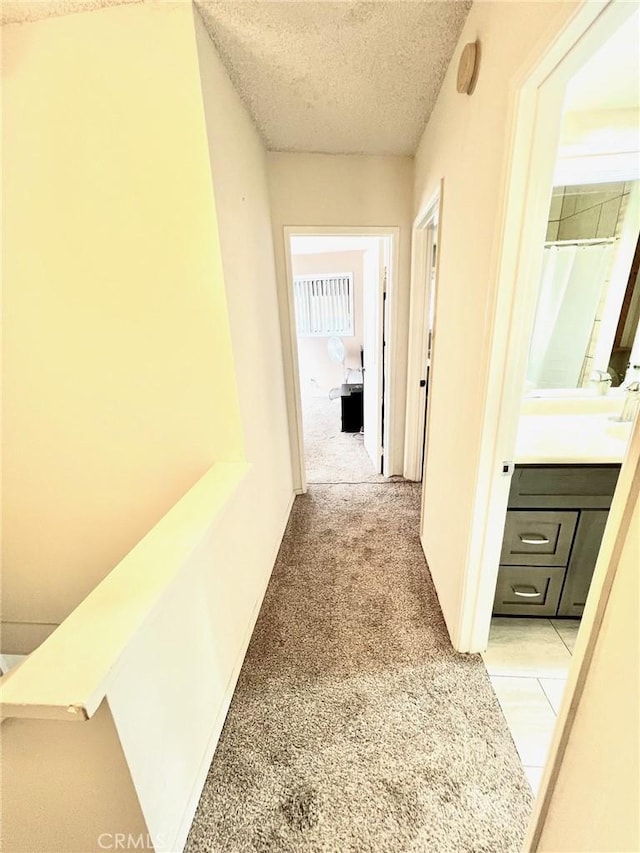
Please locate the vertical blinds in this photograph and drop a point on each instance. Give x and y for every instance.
(324, 304)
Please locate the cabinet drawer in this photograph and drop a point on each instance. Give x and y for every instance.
(538, 538)
(528, 591)
(563, 486)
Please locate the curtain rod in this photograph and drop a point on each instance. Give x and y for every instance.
(591, 241)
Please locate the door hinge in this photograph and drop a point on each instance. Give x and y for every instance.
(423, 383)
(508, 468)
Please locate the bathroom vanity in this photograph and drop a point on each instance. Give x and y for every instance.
(581, 394)
(555, 521)
(568, 460)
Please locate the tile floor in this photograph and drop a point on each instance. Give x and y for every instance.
(528, 661)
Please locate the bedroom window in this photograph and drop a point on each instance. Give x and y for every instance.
(324, 305)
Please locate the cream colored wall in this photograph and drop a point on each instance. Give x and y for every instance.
(594, 806)
(357, 191)
(187, 599)
(465, 144)
(66, 788)
(167, 716)
(239, 168)
(118, 382)
(318, 374)
(172, 688)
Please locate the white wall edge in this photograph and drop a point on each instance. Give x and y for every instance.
(39, 688)
(534, 117)
(418, 309)
(393, 437)
(618, 523)
(180, 839)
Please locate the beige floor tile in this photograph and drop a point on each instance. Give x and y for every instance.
(554, 691)
(534, 777)
(529, 647)
(568, 630)
(529, 716)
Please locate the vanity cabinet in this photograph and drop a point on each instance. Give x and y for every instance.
(555, 522)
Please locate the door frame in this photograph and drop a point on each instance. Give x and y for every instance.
(417, 420)
(392, 374)
(621, 517)
(535, 121)
(535, 125)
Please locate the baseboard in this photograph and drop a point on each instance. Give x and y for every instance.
(192, 804)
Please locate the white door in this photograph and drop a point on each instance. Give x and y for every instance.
(372, 333)
(432, 248)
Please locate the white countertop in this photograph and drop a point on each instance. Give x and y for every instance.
(571, 439)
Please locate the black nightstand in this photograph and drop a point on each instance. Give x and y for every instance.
(351, 400)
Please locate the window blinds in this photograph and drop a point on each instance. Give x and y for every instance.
(324, 305)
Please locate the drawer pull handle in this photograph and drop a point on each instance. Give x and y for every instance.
(521, 591)
(533, 539)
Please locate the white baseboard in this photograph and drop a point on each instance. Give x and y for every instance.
(192, 804)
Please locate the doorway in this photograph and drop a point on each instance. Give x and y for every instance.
(569, 243)
(424, 267)
(341, 287)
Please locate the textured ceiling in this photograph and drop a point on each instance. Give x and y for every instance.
(24, 11)
(333, 76)
(337, 76)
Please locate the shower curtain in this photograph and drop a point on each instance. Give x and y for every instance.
(571, 286)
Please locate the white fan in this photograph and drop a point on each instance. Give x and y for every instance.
(337, 354)
(336, 350)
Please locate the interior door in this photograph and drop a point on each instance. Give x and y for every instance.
(432, 249)
(374, 270)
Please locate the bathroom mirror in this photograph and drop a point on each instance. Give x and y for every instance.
(588, 307)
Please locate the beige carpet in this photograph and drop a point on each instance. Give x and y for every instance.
(354, 727)
(332, 456)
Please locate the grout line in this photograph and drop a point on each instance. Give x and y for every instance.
(562, 639)
(547, 698)
(534, 675)
(598, 204)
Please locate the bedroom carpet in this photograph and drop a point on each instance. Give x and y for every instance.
(355, 727)
(332, 456)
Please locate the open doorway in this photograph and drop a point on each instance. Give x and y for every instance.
(340, 282)
(424, 265)
(570, 386)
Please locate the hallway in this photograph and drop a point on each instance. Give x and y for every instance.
(354, 726)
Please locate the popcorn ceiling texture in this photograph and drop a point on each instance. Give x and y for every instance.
(330, 76)
(337, 77)
(26, 11)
